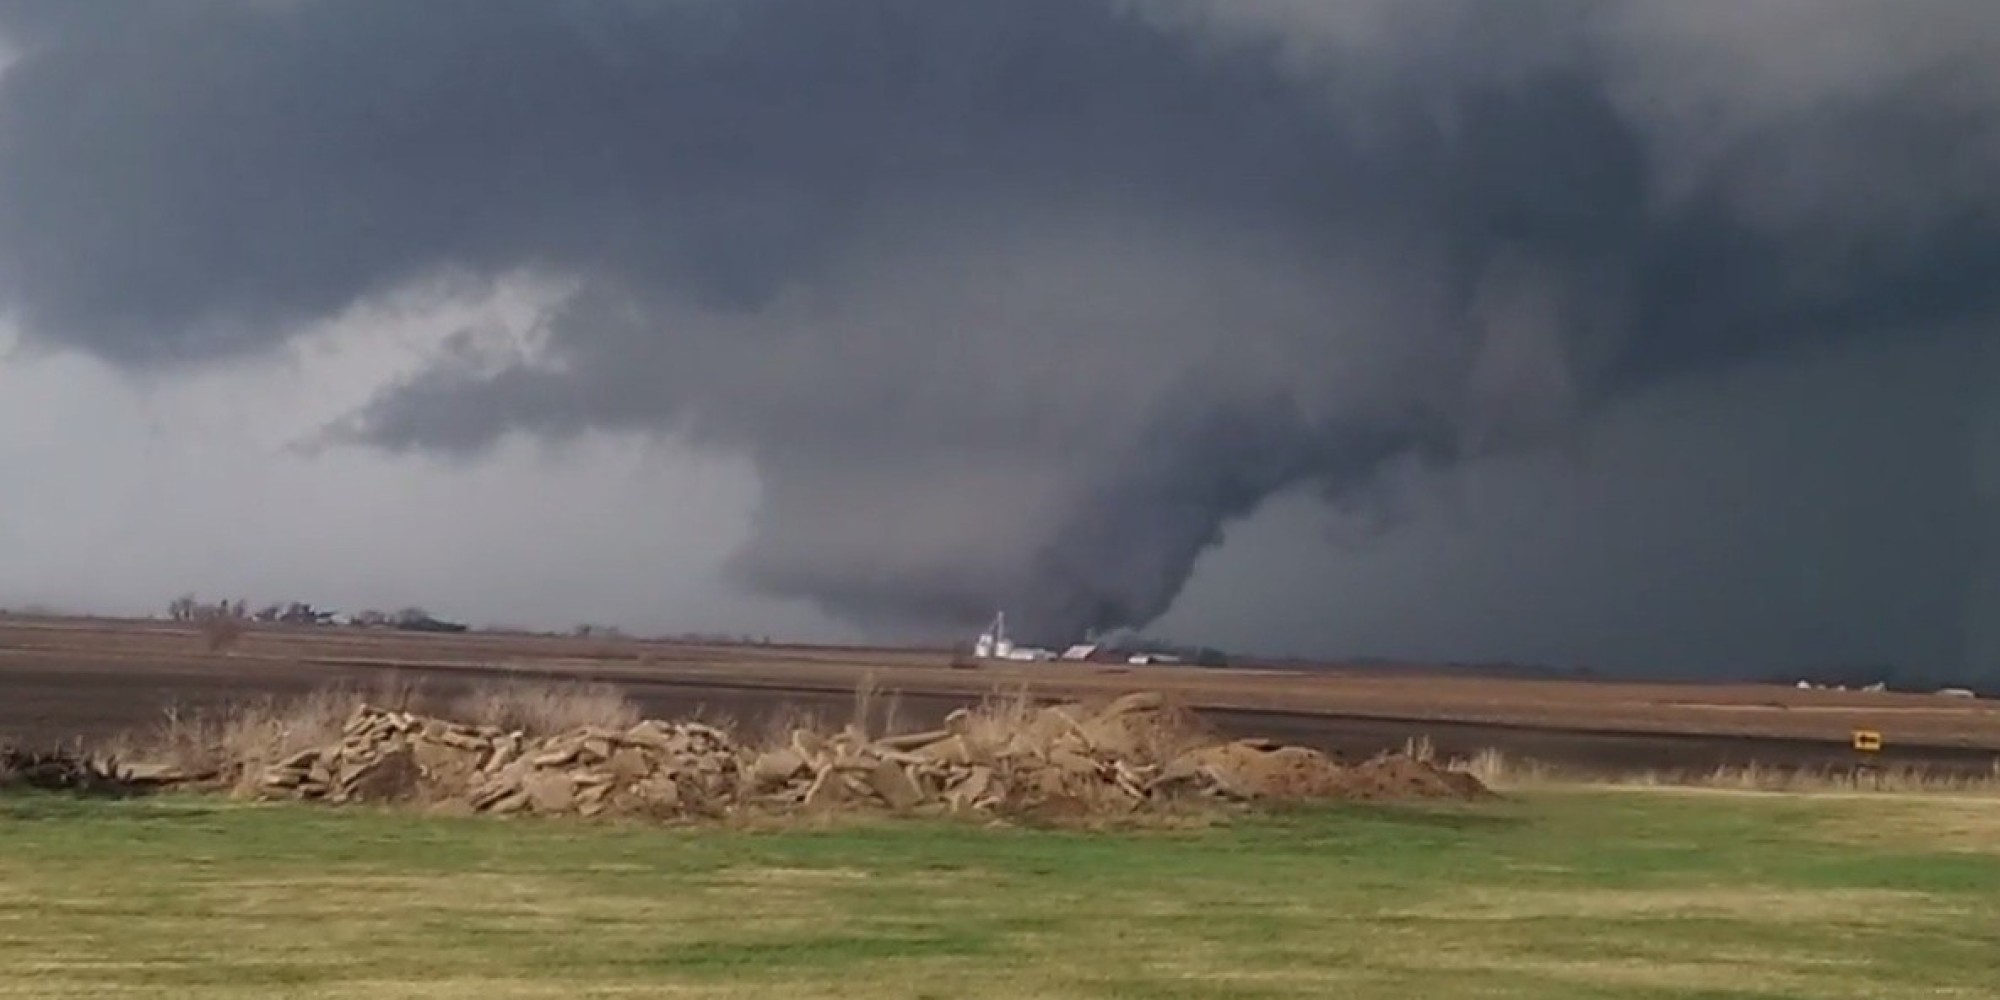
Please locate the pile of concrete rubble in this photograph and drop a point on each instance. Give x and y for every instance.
(1131, 755)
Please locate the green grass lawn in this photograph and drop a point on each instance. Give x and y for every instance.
(1549, 895)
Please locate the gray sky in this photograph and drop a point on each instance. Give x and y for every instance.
(1639, 333)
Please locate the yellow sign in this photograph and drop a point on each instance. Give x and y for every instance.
(1867, 740)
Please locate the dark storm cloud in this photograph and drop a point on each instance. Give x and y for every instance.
(1013, 303)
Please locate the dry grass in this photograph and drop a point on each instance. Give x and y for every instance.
(1891, 780)
(1495, 769)
(867, 703)
(876, 713)
(992, 720)
(1014, 714)
(1499, 770)
(1000, 715)
(777, 727)
(243, 739)
(546, 709)
(892, 715)
(719, 719)
(866, 690)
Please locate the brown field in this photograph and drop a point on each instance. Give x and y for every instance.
(63, 679)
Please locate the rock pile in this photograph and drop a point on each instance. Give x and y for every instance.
(385, 756)
(1131, 755)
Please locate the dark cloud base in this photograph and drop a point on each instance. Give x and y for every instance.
(1017, 304)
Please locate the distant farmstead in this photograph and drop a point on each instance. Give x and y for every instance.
(995, 644)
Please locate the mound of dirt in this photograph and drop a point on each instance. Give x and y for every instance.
(1133, 754)
(1401, 777)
